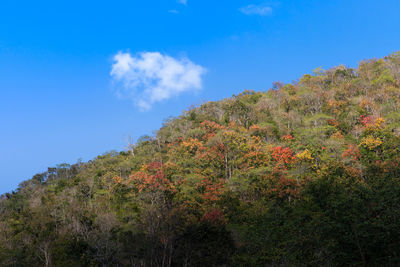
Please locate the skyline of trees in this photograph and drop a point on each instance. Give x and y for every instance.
(305, 173)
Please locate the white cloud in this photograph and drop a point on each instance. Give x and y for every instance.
(151, 77)
(183, 2)
(262, 10)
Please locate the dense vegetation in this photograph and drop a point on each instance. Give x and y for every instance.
(303, 174)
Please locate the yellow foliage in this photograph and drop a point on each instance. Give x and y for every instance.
(305, 155)
(191, 144)
(379, 122)
(371, 142)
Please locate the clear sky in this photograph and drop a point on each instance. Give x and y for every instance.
(78, 77)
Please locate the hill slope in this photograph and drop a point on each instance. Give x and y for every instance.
(302, 174)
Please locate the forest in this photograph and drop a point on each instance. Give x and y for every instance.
(302, 174)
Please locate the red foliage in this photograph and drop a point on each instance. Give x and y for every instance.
(366, 120)
(214, 216)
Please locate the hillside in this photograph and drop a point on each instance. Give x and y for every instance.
(305, 173)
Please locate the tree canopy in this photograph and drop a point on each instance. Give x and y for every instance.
(303, 174)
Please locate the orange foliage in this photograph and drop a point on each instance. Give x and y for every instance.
(352, 152)
(367, 105)
(191, 144)
(254, 128)
(337, 135)
(287, 137)
(211, 126)
(336, 106)
(333, 122)
(152, 176)
(256, 155)
(117, 179)
(216, 152)
(211, 191)
(283, 155)
(353, 172)
(286, 188)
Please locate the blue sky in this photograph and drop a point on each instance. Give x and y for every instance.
(59, 101)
